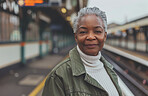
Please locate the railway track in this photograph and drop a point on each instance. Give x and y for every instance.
(136, 88)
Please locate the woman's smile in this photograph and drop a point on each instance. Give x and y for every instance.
(91, 46)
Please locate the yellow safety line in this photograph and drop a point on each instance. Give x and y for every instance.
(38, 88)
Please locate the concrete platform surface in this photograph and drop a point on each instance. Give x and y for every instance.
(22, 81)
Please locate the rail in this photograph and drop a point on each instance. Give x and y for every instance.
(135, 87)
(126, 55)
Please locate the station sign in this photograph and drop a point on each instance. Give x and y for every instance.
(27, 3)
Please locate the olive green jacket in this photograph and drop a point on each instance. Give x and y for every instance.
(69, 78)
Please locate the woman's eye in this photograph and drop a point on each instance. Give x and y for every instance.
(98, 31)
(82, 32)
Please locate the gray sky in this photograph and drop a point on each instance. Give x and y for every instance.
(120, 11)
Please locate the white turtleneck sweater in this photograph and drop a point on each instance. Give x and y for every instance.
(95, 68)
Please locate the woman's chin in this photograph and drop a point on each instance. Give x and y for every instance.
(91, 52)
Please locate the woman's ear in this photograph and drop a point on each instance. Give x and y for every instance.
(75, 34)
(105, 36)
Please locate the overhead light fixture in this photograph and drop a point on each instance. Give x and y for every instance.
(63, 10)
(20, 2)
(68, 18)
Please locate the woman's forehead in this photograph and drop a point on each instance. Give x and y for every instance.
(91, 20)
(94, 27)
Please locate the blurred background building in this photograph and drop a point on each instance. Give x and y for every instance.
(33, 28)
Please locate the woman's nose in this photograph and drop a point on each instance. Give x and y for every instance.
(91, 36)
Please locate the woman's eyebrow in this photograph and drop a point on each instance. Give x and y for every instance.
(82, 27)
(98, 27)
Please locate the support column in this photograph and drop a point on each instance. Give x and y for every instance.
(23, 26)
(135, 31)
(146, 36)
(40, 42)
(42, 25)
(47, 47)
(126, 39)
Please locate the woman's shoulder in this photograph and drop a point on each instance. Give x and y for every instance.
(61, 69)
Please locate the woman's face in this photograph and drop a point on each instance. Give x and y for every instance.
(90, 35)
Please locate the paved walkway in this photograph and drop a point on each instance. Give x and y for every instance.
(23, 81)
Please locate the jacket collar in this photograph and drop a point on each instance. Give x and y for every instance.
(77, 64)
(106, 63)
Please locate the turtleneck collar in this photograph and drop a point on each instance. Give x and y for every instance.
(90, 61)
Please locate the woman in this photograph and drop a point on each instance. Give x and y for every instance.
(85, 72)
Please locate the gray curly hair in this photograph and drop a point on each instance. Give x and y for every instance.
(88, 11)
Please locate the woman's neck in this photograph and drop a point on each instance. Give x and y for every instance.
(92, 61)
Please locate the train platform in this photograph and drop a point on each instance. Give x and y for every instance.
(27, 80)
(137, 54)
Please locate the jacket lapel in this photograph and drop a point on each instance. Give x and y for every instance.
(79, 69)
(111, 73)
